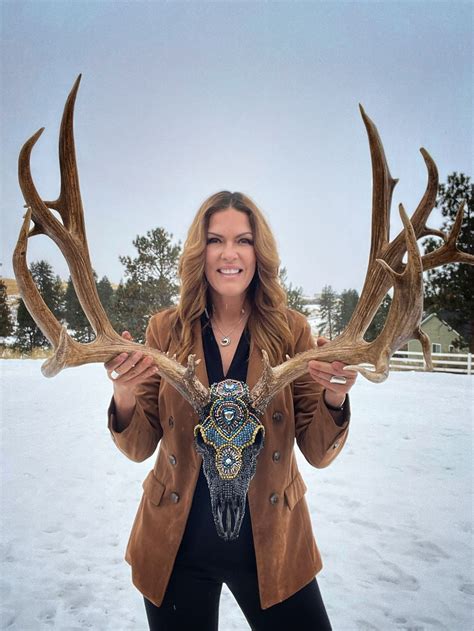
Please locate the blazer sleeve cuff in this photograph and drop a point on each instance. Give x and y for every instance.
(138, 440)
(335, 433)
(342, 418)
(112, 421)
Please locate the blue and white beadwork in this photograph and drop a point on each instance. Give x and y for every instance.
(229, 426)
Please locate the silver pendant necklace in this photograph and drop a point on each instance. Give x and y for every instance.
(226, 339)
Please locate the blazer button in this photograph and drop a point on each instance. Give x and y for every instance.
(172, 459)
(174, 497)
(171, 421)
(277, 417)
(274, 498)
(276, 456)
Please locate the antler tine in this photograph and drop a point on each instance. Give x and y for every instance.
(44, 318)
(376, 282)
(275, 379)
(428, 201)
(28, 290)
(396, 248)
(69, 202)
(432, 232)
(382, 191)
(448, 251)
(45, 222)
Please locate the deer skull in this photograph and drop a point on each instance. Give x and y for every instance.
(229, 439)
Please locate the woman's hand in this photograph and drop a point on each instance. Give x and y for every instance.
(323, 372)
(127, 372)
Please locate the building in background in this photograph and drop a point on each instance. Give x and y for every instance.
(442, 337)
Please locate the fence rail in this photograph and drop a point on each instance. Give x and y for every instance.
(442, 362)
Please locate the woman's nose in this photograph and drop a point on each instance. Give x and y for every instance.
(229, 253)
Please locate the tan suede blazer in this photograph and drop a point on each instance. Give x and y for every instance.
(286, 552)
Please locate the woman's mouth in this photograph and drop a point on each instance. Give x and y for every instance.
(230, 271)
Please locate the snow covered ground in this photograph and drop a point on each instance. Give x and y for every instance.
(392, 515)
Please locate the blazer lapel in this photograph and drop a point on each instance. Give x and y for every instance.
(255, 366)
(198, 351)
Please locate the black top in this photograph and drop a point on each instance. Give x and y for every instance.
(201, 546)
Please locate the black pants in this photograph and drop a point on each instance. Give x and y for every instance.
(191, 603)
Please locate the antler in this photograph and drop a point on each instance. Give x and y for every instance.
(70, 236)
(385, 268)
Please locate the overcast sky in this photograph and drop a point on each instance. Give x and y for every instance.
(182, 99)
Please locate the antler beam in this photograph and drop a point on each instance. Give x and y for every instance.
(70, 236)
(385, 269)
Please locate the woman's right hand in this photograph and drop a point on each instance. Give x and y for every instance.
(127, 372)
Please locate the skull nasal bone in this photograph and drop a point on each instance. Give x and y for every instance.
(232, 520)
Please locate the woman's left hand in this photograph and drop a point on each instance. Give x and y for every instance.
(322, 372)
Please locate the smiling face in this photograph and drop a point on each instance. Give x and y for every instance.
(230, 254)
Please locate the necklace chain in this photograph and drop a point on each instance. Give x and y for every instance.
(226, 339)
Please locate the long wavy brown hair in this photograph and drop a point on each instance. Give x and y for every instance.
(267, 323)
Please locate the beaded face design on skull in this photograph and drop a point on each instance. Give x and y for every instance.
(229, 439)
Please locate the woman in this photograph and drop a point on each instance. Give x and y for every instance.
(231, 306)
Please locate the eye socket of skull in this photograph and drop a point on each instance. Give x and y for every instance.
(259, 437)
(200, 444)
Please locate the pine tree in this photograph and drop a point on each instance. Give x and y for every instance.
(79, 325)
(151, 282)
(344, 309)
(106, 294)
(77, 322)
(294, 294)
(327, 311)
(6, 320)
(28, 335)
(449, 289)
(378, 320)
(128, 313)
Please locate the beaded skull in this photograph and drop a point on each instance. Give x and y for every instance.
(229, 439)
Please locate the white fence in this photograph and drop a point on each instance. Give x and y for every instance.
(442, 362)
